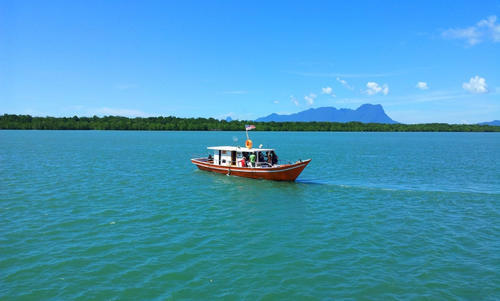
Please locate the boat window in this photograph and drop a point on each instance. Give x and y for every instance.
(233, 158)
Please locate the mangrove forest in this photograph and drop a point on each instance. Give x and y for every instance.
(27, 122)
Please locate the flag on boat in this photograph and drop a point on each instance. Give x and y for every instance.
(249, 127)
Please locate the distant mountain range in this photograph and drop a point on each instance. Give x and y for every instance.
(366, 113)
(494, 122)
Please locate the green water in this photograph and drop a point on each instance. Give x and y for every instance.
(110, 215)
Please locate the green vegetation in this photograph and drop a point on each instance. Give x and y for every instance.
(27, 122)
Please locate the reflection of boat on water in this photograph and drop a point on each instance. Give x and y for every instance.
(248, 162)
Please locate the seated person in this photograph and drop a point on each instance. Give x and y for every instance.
(274, 158)
(252, 159)
(261, 158)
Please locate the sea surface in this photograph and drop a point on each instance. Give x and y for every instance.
(111, 215)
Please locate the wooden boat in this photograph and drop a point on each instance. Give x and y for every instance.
(234, 161)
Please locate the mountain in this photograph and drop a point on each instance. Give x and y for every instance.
(494, 122)
(366, 113)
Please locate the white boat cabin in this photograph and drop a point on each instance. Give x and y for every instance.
(240, 156)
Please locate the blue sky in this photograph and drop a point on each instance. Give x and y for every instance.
(424, 61)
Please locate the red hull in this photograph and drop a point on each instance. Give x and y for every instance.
(288, 172)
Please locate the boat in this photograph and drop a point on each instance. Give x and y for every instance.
(236, 161)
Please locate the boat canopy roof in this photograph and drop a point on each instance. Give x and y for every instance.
(240, 149)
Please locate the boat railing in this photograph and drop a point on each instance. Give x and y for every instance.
(284, 162)
(262, 164)
(267, 164)
(203, 158)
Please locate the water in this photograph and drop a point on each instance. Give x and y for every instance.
(124, 215)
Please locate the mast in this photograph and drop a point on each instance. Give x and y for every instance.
(248, 143)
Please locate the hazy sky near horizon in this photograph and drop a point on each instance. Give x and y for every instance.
(424, 61)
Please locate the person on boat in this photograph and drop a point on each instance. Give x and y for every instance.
(274, 157)
(243, 162)
(261, 157)
(252, 159)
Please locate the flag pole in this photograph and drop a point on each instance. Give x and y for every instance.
(248, 128)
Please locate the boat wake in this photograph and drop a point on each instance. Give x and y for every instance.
(313, 182)
(398, 188)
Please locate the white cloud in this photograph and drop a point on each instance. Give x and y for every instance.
(344, 83)
(294, 100)
(492, 27)
(486, 29)
(471, 35)
(422, 86)
(373, 88)
(310, 98)
(276, 101)
(327, 90)
(476, 85)
(80, 110)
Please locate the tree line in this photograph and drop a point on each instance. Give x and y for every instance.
(27, 122)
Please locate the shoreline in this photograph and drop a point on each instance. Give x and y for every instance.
(116, 123)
